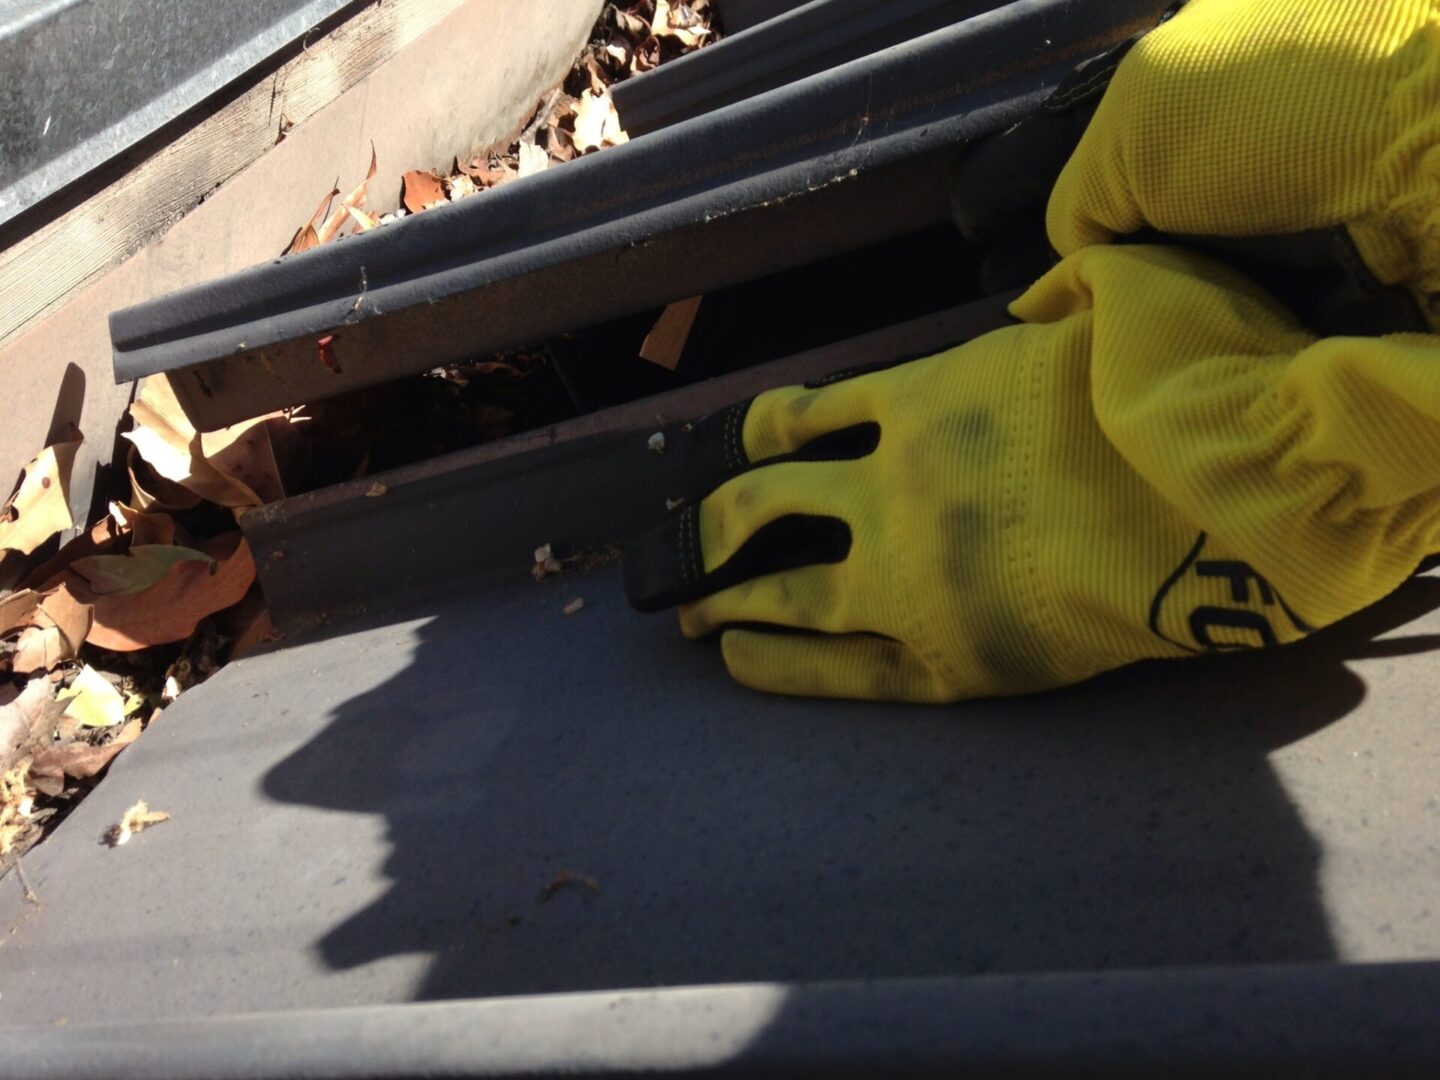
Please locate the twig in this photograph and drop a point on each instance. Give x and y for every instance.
(541, 114)
(25, 882)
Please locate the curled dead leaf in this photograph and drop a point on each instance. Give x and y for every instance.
(306, 236)
(23, 721)
(146, 528)
(17, 608)
(171, 608)
(81, 760)
(239, 467)
(57, 629)
(350, 205)
(40, 508)
(421, 190)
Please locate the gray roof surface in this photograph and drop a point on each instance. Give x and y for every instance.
(373, 817)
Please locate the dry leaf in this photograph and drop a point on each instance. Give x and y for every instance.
(143, 528)
(138, 569)
(102, 538)
(40, 508)
(17, 608)
(59, 626)
(422, 190)
(459, 187)
(680, 22)
(237, 467)
(137, 818)
(532, 159)
(171, 608)
(596, 122)
(306, 237)
(351, 202)
(632, 24)
(81, 759)
(150, 491)
(24, 720)
(363, 222)
(666, 341)
(91, 701)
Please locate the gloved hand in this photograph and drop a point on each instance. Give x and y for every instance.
(1158, 461)
(1238, 119)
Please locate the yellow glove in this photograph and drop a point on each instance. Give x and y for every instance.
(1157, 462)
(1239, 118)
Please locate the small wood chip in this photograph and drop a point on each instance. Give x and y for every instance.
(573, 606)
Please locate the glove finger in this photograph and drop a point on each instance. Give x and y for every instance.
(819, 665)
(807, 598)
(770, 519)
(817, 422)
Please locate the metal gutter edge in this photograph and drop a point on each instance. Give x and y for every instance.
(781, 50)
(88, 80)
(1310, 1020)
(741, 15)
(745, 191)
(580, 485)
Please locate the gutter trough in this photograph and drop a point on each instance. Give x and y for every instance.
(834, 162)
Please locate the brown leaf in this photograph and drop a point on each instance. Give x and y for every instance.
(459, 187)
(40, 508)
(558, 143)
(17, 609)
(634, 26)
(422, 190)
(666, 340)
(68, 615)
(617, 52)
(680, 22)
(82, 759)
(24, 721)
(58, 629)
(103, 537)
(240, 466)
(143, 528)
(352, 202)
(306, 237)
(171, 608)
(150, 491)
(592, 68)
